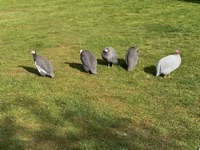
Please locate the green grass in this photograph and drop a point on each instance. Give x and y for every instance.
(115, 109)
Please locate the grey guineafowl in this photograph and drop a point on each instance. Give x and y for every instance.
(43, 66)
(109, 54)
(168, 64)
(89, 61)
(131, 58)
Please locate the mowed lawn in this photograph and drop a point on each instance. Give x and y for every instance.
(115, 109)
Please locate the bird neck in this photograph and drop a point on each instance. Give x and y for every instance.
(34, 57)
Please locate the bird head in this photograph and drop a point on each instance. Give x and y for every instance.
(80, 51)
(33, 52)
(105, 50)
(177, 52)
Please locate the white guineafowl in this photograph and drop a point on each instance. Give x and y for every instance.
(43, 66)
(89, 61)
(168, 64)
(109, 54)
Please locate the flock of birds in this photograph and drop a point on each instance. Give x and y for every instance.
(165, 65)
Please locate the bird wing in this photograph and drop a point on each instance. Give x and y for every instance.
(93, 63)
(158, 69)
(113, 57)
(132, 58)
(44, 64)
(168, 63)
(85, 61)
(42, 71)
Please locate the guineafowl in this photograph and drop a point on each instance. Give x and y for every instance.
(89, 61)
(168, 64)
(109, 54)
(131, 58)
(43, 66)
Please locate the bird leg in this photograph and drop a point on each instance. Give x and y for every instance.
(167, 76)
(109, 65)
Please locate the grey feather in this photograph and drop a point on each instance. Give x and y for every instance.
(131, 58)
(109, 54)
(44, 67)
(89, 61)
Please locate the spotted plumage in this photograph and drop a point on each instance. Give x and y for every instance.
(109, 54)
(43, 66)
(89, 61)
(131, 58)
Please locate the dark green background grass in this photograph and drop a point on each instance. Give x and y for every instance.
(114, 109)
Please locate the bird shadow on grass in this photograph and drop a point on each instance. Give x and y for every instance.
(30, 69)
(101, 62)
(122, 63)
(150, 70)
(76, 66)
(191, 1)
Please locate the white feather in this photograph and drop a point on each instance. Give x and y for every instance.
(168, 64)
(40, 70)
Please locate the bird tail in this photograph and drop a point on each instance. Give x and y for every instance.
(51, 75)
(115, 62)
(94, 71)
(158, 69)
(129, 68)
